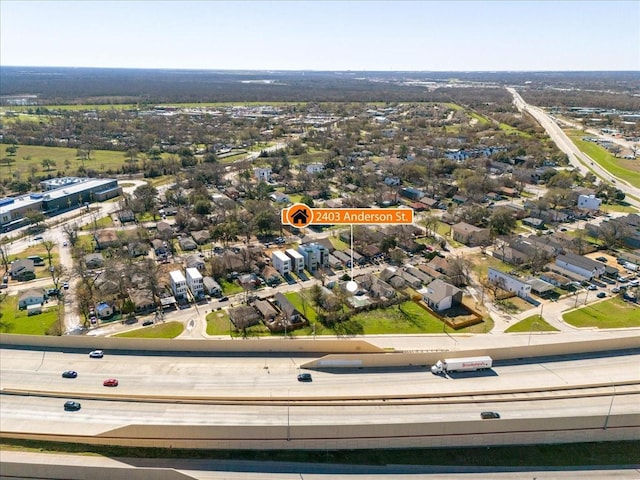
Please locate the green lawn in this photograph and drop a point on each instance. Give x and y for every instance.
(306, 307)
(230, 288)
(29, 156)
(532, 324)
(162, 330)
(407, 318)
(218, 323)
(104, 222)
(627, 169)
(613, 313)
(19, 322)
(481, 264)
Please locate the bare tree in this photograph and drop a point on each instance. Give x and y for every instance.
(48, 246)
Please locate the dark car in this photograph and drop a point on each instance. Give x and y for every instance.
(110, 382)
(147, 323)
(224, 299)
(489, 415)
(601, 259)
(72, 406)
(69, 374)
(304, 377)
(601, 295)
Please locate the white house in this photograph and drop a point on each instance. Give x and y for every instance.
(281, 262)
(583, 266)
(440, 295)
(315, 167)
(178, 284)
(589, 202)
(194, 282)
(34, 296)
(297, 260)
(262, 174)
(509, 283)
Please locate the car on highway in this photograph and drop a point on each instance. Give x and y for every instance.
(96, 354)
(71, 406)
(69, 374)
(489, 415)
(110, 382)
(304, 377)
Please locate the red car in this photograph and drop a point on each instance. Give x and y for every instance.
(110, 382)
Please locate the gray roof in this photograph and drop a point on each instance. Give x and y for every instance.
(439, 290)
(580, 261)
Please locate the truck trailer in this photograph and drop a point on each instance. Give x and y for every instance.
(466, 364)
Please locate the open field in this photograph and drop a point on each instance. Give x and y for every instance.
(627, 169)
(30, 157)
(613, 313)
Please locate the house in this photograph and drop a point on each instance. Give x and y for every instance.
(194, 282)
(212, 287)
(281, 262)
(315, 256)
(187, 243)
(164, 229)
(440, 295)
(195, 261)
(104, 310)
(469, 234)
(262, 174)
(411, 193)
(509, 283)
(533, 222)
(297, 260)
(315, 168)
(126, 215)
(138, 249)
(268, 311)
(201, 236)
(160, 247)
(589, 202)
(22, 270)
(280, 197)
(580, 265)
(244, 316)
(106, 239)
(94, 260)
(556, 279)
(271, 276)
(33, 296)
(142, 300)
(290, 312)
(178, 284)
(410, 279)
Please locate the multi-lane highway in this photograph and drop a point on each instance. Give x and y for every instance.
(578, 159)
(169, 392)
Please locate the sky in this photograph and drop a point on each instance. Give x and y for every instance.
(479, 35)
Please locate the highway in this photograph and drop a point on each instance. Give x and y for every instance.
(231, 390)
(577, 158)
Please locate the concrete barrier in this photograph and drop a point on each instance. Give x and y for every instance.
(265, 345)
(81, 472)
(404, 359)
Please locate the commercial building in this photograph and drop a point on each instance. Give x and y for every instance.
(58, 195)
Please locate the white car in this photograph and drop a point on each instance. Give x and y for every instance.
(96, 354)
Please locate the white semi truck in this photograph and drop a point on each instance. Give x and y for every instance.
(466, 364)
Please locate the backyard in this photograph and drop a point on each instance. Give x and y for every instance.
(18, 322)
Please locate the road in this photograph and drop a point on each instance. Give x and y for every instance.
(577, 158)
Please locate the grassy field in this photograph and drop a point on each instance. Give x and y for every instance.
(613, 313)
(218, 323)
(162, 330)
(230, 288)
(532, 324)
(104, 222)
(67, 163)
(20, 323)
(481, 264)
(627, 169)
